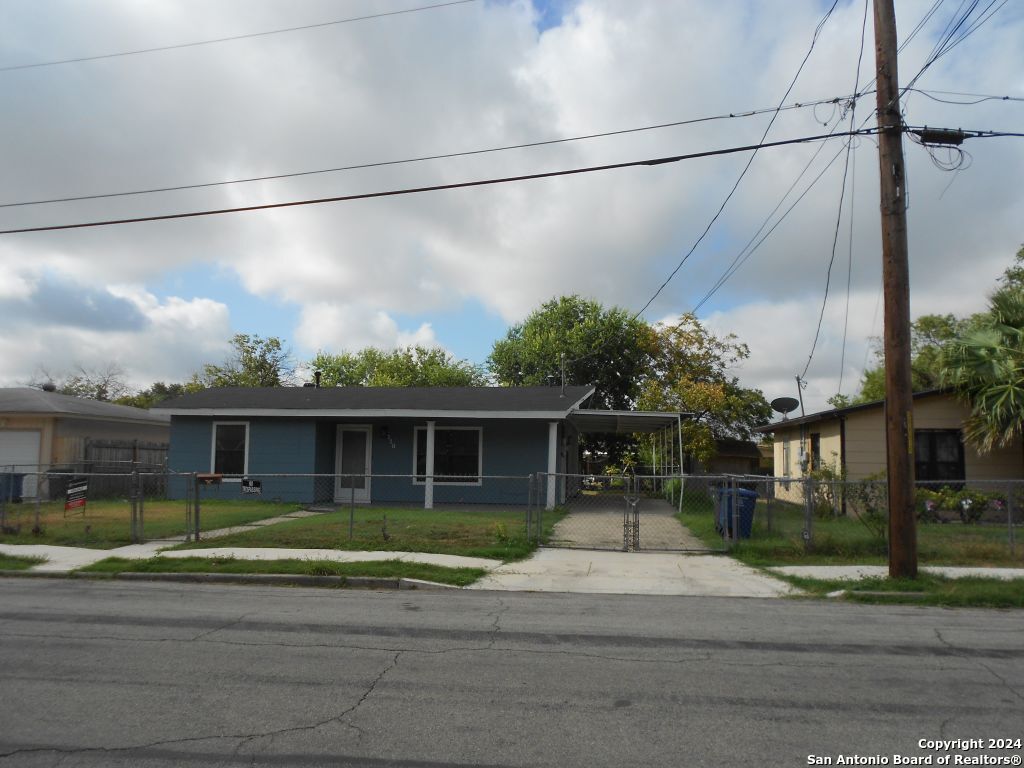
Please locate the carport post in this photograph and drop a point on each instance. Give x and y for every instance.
(428, 481)
(552, 462)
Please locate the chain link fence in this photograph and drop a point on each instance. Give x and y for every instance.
(93, 509)
(773, 519)
(781, 519)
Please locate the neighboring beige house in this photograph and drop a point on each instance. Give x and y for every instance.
(40, 429)
(853, 439)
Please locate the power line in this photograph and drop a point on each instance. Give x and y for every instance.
(439, 187)
(977, 98)
(743, 173)
(38, 64)
(424, 158)
(853, 199)
(831, 261)
(748, 250)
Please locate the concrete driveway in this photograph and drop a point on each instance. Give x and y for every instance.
(632, 573)
(595, 522)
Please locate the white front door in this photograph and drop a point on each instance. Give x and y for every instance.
(352, 464)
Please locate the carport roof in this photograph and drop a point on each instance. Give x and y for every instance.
(623, 422)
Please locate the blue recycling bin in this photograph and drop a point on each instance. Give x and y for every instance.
(11, 486)
(745, 502)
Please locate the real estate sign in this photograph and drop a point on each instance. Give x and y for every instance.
(254, 487)
(78, 487)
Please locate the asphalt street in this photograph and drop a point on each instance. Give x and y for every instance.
(153, 674)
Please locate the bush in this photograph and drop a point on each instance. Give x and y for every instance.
(969, 505)
(870, 500)
(672, 490)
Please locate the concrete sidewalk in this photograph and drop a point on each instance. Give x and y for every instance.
(632, 573)
(855, 572)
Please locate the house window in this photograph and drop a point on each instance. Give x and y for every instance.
(458, 455)
(786, 457)
(815, 450)
(230, 454)
(938, 455)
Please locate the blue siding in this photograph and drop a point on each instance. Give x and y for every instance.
(307, 446)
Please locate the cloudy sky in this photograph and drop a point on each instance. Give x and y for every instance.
(455, 268)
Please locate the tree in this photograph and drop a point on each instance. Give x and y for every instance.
(155, 394)
(607, 348)
(255, 362)
(414, 366)
(985, 364)
(100, 383)
(691, 373)
(929, 334)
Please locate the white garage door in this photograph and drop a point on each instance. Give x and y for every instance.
(20, 447)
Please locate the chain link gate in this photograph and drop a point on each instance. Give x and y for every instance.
(624, 513)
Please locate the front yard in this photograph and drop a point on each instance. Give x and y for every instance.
(106, 524)
(849, 541)
(499, 533)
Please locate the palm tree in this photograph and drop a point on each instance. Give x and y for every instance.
(986, 366)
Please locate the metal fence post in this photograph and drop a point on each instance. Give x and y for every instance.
(195, 515)
(808, 532)
(529, 508)
(735, 507)
(133, 492)
(351, 508)
(142, 507)
(1009, 521)
(769, 497)
(540, 508)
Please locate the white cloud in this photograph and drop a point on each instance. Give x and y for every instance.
(470, 77)
(338, 327)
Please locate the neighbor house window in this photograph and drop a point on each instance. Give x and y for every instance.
(230, 448)
(938, 454)
(786, 457)
(458, 455)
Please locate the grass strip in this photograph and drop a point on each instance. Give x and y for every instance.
(18, 563)
(926, 589)
(378, 568)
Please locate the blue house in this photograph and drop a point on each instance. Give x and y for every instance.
(416, 445)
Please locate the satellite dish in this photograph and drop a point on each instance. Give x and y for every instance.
(784, 405)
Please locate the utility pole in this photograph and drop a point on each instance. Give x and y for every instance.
(899, 403)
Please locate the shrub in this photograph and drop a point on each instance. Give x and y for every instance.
(672, 490)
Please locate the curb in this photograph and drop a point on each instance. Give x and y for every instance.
(278, 579)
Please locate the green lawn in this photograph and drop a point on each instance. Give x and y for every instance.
(926, 589)
(107, 523)
(846, 540)
(17, 563)
(498, 534)
(380, 569)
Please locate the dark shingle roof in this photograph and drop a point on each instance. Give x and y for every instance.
(36, 401)
(835, 413)
(489, 399)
